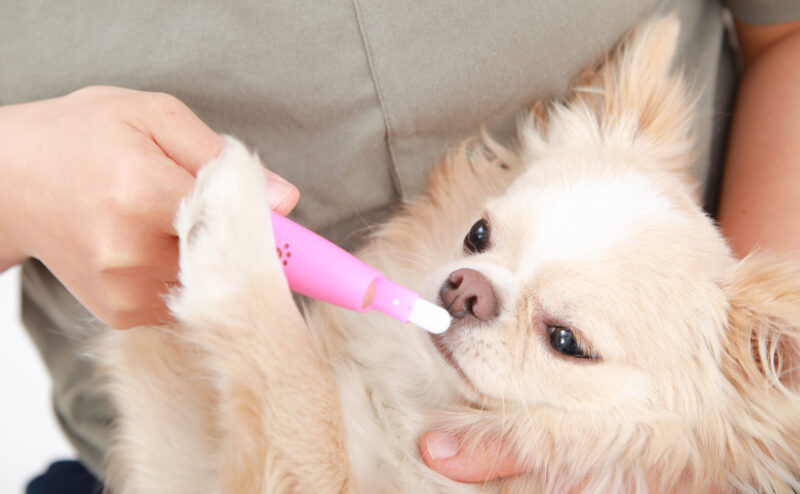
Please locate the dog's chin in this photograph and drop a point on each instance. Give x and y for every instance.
(473, 397)
(444, 345)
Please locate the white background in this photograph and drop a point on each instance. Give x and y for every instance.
(29, 435)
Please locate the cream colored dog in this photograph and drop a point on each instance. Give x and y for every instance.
(601, 325)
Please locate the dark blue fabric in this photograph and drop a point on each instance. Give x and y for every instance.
(65, 477)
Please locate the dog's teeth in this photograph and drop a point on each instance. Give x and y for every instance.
(429, 317)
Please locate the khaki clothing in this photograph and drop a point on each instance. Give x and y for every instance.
(352, 101)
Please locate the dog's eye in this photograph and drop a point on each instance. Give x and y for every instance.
(477, 240)
(564, 341)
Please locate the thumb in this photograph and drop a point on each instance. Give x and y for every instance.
(180, 134)
(488, 460)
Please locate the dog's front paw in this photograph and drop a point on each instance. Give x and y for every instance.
(224, 228)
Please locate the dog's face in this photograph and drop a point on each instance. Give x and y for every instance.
(588, 312)
(584, 287)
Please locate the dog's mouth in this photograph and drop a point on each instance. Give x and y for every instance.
(440, 341)
(447, 354)
(446, 344)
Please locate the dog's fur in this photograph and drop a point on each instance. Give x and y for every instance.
(695, 387)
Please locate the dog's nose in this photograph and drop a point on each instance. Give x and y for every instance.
(467, 293)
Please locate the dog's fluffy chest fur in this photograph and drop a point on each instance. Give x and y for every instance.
(389, 383)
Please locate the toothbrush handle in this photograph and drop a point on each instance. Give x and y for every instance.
(319, 269)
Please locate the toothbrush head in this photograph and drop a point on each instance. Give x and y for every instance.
(429, 316)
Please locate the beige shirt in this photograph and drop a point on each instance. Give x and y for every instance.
(352, 101)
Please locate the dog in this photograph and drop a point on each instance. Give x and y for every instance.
(602, 327)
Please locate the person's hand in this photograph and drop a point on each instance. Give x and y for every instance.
(90, 184)
(489, 461)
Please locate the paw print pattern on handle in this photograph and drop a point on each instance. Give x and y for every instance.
(284, 254)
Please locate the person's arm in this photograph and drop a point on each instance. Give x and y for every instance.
(89, 185)
(760, 198)
(760, 201)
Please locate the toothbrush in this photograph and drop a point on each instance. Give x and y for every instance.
(320, 269)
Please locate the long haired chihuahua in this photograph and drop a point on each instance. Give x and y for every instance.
(602, 328)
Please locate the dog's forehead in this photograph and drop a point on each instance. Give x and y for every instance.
(572, 216)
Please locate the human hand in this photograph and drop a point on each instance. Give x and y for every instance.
(489, 461)
(90, 184)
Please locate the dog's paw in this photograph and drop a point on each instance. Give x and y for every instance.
(224, 226)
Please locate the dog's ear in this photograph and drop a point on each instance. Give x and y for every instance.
(633, 99)
(762, 343)
(761, 359)
(642, 96)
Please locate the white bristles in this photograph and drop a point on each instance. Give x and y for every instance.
(430, 317)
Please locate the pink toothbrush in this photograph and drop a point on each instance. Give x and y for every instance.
(319, 269)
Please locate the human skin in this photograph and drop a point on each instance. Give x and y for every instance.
(759, 204)
(90, 183)
(760, 198)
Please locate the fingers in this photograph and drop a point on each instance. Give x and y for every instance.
(176, 182)
(182, 136)
(190, 143)
(489, 460)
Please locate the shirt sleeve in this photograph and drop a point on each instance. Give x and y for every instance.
(764, 11)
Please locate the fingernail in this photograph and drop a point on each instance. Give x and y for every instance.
(441, 446)
(279, 190)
